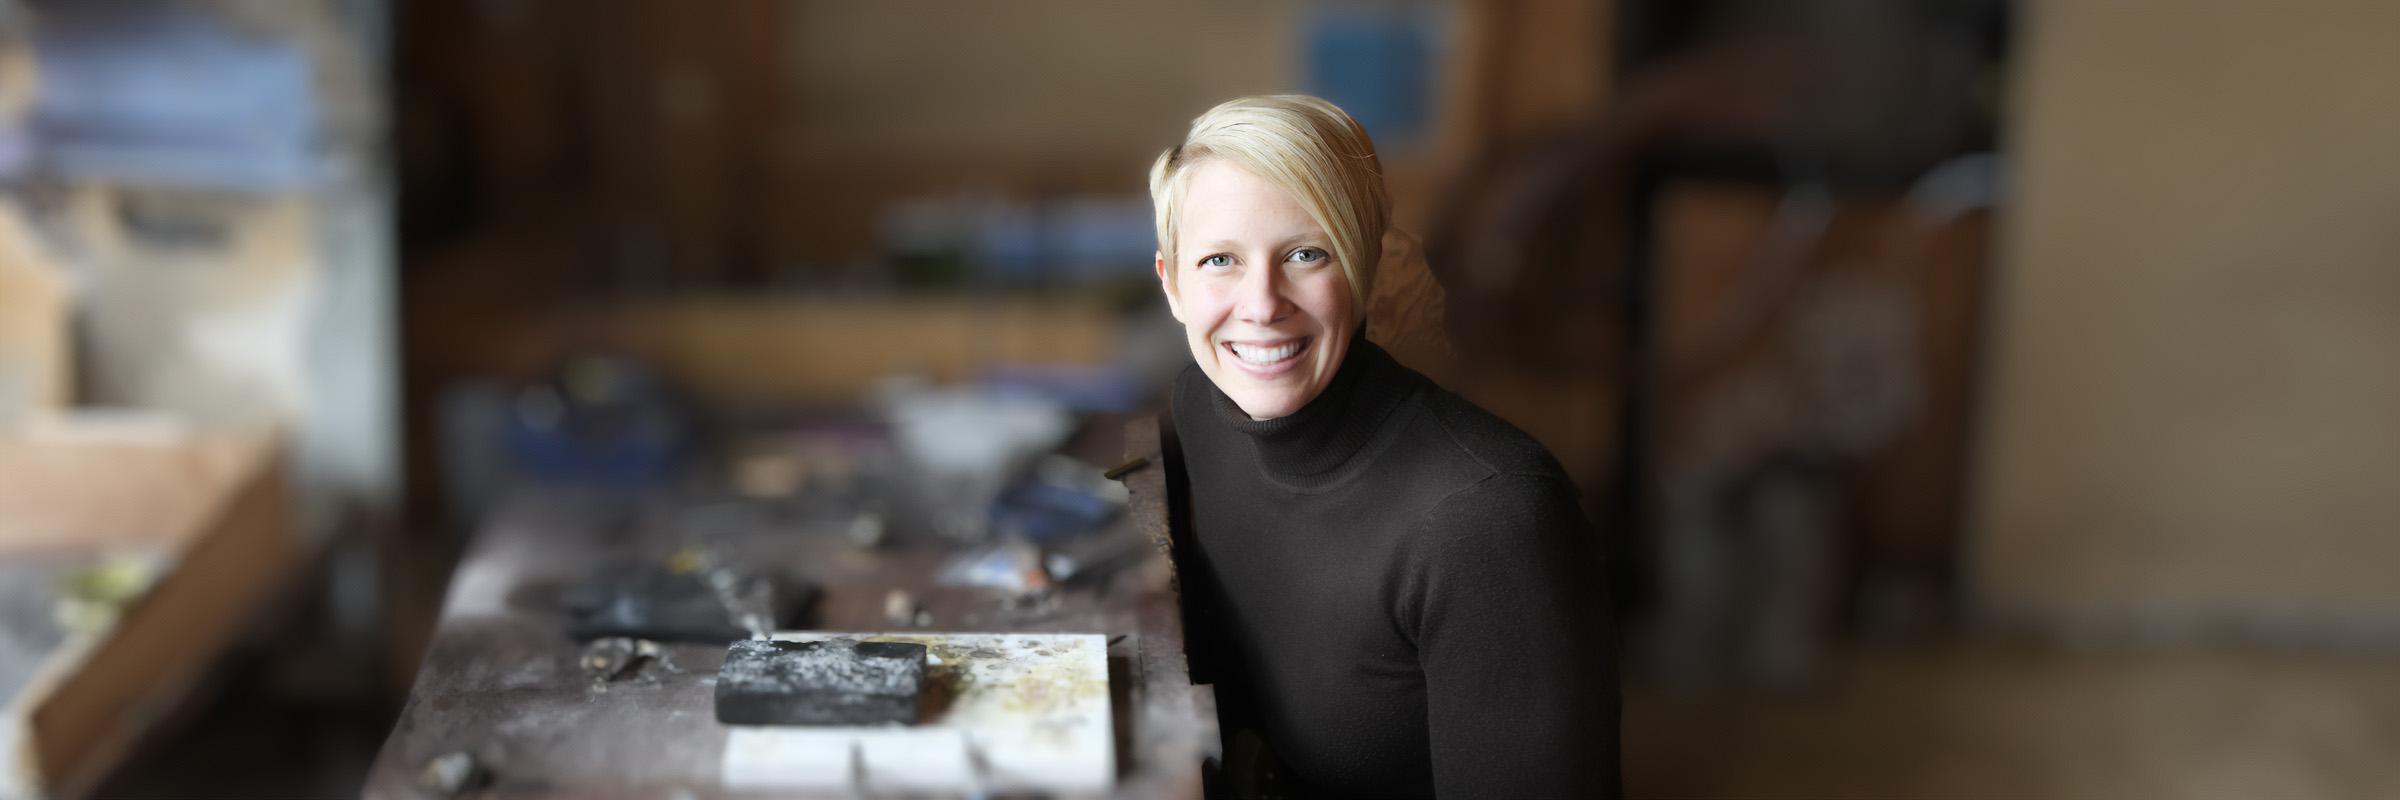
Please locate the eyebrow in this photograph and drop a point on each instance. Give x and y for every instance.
(1289, 241)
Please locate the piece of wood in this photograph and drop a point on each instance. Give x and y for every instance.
(766, 350)
(100, 695)
(830, 351)
(92, 481)
(1173, 715)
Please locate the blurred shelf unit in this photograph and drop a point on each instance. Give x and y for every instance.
(172, 279)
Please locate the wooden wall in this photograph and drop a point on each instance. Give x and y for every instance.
(2194, 420)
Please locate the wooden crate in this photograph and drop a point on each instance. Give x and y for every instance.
(213, 507)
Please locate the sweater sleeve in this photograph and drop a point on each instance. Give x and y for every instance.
(1517, 643)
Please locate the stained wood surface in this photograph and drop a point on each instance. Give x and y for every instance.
(501, 679)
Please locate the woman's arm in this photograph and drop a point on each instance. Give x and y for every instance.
(1518, 644)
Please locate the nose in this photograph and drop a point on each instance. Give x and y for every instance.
(1259, 298)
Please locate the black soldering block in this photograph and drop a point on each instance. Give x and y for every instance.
(833, 682)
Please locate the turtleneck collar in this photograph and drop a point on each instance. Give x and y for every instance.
(1311, 447)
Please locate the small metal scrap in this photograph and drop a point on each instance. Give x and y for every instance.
(749, 601)
(687, 561)
(617, 656)
(900, 609)
(1119, 472)
(769, 476)
(452, 774)
(90, 598)
(1011, 565)
(865, 530)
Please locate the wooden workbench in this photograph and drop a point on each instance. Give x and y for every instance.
(502, 680)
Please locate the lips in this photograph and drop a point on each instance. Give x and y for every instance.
(1268, 357)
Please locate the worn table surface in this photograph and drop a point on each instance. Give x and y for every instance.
(502, 681)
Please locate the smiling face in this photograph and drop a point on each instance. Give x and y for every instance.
(1265, 308)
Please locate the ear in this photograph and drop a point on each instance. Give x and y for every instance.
(1158, 262)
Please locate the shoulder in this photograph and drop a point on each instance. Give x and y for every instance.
(1496, 484)
(1492, 445)
(1499, 487)
(1507, 511)
(1462, 461)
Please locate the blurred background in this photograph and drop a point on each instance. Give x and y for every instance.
(1978, 399)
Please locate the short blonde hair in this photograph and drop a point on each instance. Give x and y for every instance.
(1303, 145)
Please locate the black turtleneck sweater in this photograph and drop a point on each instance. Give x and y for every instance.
(1407, 599)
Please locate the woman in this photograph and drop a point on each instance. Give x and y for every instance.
(1410, 598)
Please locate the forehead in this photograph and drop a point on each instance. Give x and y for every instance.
(1224, 202)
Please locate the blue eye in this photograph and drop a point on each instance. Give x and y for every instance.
(1308, 255)
(1219, 260)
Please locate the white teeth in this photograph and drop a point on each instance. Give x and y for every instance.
(1263, 356)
